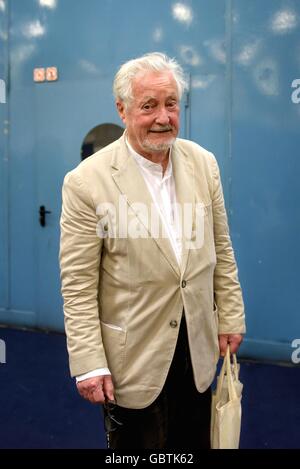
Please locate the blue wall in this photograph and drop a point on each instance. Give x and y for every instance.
(264, 169)
(241, 57)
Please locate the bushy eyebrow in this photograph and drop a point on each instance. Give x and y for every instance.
(146, 99)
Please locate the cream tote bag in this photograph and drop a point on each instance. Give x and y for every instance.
(226, 411)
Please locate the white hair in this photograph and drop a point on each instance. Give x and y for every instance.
(154, 61)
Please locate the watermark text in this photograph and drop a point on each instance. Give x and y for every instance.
(296, 93)
(185, 221)
(2, 92)
(296, 353)
(2, 351)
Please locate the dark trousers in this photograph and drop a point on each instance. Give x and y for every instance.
(179, 418)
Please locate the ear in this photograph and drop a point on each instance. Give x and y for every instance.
(121, 110)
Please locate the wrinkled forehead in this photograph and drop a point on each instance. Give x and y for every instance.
(151, 83)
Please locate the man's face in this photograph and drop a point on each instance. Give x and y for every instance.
(152, 117)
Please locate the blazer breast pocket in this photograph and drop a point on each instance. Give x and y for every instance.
(196, 233)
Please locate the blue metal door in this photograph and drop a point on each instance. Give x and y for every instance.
(48, 122)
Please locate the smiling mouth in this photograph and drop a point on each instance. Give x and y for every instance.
(160, 131)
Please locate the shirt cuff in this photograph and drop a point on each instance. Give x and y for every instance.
(92, 374)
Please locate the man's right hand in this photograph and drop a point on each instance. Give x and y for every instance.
(97, 389)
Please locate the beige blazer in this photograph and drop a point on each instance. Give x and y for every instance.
(124, 296)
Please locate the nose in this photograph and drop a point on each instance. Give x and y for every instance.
(162, 116)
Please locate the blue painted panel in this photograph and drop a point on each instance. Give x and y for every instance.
(265, 166)
(3, 161)
(22, 178)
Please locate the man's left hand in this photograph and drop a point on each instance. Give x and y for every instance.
(234, 340)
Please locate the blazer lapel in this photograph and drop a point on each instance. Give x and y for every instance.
(131, 184)
(183, 170)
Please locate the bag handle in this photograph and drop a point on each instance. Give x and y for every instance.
(235, 367)
(231, 387)
(227, 367)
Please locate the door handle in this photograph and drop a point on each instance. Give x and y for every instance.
(42, 213)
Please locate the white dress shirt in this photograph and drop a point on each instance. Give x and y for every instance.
(162, 189)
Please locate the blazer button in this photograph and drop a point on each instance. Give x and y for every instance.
(183, 283)
(173, 323)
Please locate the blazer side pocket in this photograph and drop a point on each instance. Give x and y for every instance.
(216, 316)
(114, 341)
(216, 324)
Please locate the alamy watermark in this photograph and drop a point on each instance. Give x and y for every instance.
(296, 353)
(2, 92)
(295, 97)
(2, 351)
(142, 221)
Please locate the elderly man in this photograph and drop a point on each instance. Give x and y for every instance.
(149, 279)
